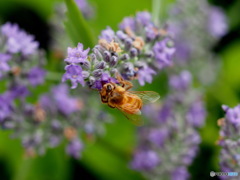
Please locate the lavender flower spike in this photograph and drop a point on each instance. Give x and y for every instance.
(129, 52)
(18, 41)
(173, 123)
(229, 139)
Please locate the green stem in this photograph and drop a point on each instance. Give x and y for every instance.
(54, 76)
(159, 11)
(156, 9)
(24, 168)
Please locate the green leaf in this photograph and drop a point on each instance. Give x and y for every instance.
(76, 26)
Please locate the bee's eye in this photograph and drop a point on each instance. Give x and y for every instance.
(109, 87)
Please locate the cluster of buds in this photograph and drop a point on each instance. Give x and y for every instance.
(41, 121)
(195, 34)
(229, 139)
(60, 117)
(169, 142)
(136, 51)
(20, 68)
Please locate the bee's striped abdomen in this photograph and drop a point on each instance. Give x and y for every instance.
(135, 102)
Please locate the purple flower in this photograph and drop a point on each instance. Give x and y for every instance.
(5, 107)
(18, 91)
(180, 173)
(74, 73)
(145, 75)
(163, 51)
(165, 113)
(65, 104)
(129, 70)
(158, 136)
(74, 148)
(31, 141)
(4, 67)
(48, 104)
(233, 114)
(217, 24)
(145, 160)
(36, 76)
(121, 35)
(182, 81)
(190, 154)
(196, 114)
(151, 34)
(105, 78)
(193, 138)
(9, 29)
(77, 55)
(107, 34)
(18, 41)
(128, 22)
(54, 141)
(143, 17)
(183, 51)
(84, 6)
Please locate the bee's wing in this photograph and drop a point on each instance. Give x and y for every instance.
(146, 96)
(134, 117)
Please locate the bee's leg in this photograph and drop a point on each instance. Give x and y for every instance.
(127, 85)
(119, 78)
(111, 105)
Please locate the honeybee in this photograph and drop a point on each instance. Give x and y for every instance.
(128, 102)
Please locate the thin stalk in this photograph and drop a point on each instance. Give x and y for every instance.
(156, 9)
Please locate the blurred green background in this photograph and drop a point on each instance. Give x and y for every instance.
(108, 157)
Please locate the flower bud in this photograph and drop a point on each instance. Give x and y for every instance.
(85, 64)
(133, 52)
(97, 73)
(106, 56)
(113, 71)
(85, 74)
(100, 65)
(91, 80)
(113, 61)
(124, 57)
(97, 53)
(121, 35)
(128, 43)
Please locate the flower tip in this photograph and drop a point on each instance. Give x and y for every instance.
(80, 45)
(225, 107)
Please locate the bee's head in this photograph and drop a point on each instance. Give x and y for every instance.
(108, 87)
